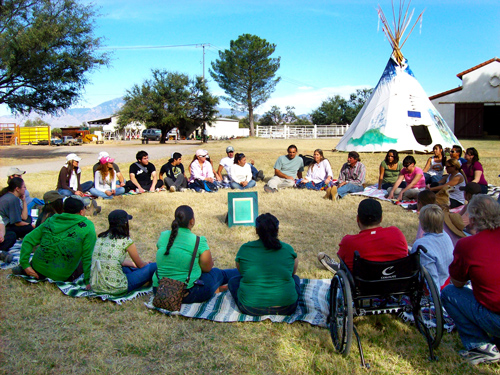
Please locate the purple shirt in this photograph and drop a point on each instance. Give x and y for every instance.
(469, 172)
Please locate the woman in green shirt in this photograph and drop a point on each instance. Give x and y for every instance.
(173, 258)
(268, 284)
(389, 170)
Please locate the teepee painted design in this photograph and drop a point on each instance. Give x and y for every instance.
(398, 115)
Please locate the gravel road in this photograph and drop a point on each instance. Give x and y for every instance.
(52, 158)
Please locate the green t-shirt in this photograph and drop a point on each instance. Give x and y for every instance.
(267, 275)
(289, 167)
(175, 265)
(391, 175)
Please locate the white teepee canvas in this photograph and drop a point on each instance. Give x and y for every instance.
(398, 115)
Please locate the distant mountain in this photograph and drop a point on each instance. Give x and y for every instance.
(76, 116)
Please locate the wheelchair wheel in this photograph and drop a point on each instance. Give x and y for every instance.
(341, 313)
(431, 311)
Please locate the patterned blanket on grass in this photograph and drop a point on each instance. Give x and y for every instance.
(15, 251)
(313, 307)
(77, 289)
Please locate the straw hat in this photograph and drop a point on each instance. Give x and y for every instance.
(455, 223)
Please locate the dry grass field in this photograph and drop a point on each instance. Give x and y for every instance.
(44, 332)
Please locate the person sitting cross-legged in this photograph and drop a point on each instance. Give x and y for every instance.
(351, 178)
(268, 284)
(227, 162)
(241, 174)
(373, 242)
(66, 244)
(175, 176)
(285, 169)
(143, 177)
(476, 310)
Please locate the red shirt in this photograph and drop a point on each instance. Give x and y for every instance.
(477, 258)
(376, 244)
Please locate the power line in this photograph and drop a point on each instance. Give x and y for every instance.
(197, 45)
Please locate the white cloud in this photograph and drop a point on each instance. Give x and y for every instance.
(305, 88)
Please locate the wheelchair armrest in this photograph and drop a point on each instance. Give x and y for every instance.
(421, 247)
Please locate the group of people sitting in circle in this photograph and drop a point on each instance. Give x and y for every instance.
(461, 247)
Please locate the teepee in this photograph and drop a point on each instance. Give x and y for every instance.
(398, 115)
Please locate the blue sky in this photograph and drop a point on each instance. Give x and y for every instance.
(326, 47)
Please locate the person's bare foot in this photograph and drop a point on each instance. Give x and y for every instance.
(221, 289)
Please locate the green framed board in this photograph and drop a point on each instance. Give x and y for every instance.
(242, 208)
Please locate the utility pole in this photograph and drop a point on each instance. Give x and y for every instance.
(203, 46)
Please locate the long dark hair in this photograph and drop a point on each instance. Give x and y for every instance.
(267, 230)
(50, 209)
(473, 152)
(238, 157)
(182, 217)
(443, 155)
(116, 231)
(14, 183)
(395, 159)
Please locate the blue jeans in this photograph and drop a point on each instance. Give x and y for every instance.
(349, 188)
(98, 193)
(234, 285)
(235, 185)
(255, 172)
(211, 282)
(475, 323)
(86, 186)
(137, 277)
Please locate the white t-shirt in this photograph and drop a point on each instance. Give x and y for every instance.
(227, 162)
(240, 174)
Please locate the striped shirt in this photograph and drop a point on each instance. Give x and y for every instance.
(353, 175)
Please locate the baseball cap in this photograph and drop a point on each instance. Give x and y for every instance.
(102, 154)
(370, 211)
(73, 205)
(229, 149)
(471, 188)
(72, 157)
(14, 171)
(201, 152)
(119, 217)
(106, 159)
(84, 200)
(51, 196)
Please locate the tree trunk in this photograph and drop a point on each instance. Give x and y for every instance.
(250, 118)
(163, 135)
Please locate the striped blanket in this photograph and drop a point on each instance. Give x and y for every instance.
(313, 307)
(77, 289)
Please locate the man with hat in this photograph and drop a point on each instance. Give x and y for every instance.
(373, 242)
(476, 309)
(228, 161)
(103, 154)
(30, 202)
(53, 205)
(66, 245)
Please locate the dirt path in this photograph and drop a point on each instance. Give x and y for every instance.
(51, 158)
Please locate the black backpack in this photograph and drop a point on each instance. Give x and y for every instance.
(307, 159)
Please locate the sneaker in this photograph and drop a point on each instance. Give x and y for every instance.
(182, 190)
(260, 176)
(6, 257)
(201, 191)
(328, 263)
(18, 270)
(486, 353)
(172, 189)
(269, 189)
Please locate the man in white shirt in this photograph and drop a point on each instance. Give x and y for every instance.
(228, 161)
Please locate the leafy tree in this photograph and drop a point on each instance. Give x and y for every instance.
(246, 73)
(46, 48)
(338, 110)
(169, 100)
(275, 117)
(36, 122)
(301, 121)
(56, 132)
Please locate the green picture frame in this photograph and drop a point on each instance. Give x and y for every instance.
(242, 208)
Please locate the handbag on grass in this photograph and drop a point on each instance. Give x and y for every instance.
(170, 292)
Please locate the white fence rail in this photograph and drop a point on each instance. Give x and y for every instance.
(301, 131)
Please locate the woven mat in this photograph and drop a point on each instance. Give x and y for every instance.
(313, 307)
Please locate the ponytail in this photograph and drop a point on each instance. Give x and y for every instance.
(182, 217)
(173, 234)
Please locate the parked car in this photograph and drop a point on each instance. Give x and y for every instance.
(69, 141)
(151, 134)
(56, 141)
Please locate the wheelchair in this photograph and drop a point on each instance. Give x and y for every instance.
(394, 287)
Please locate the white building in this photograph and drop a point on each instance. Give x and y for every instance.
(473, 109)
(111, 130)
(225, 128)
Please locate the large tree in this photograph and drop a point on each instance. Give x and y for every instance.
(337, 110)
(275, 117)
(169, 100)
(46, 47)
(247, 73)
